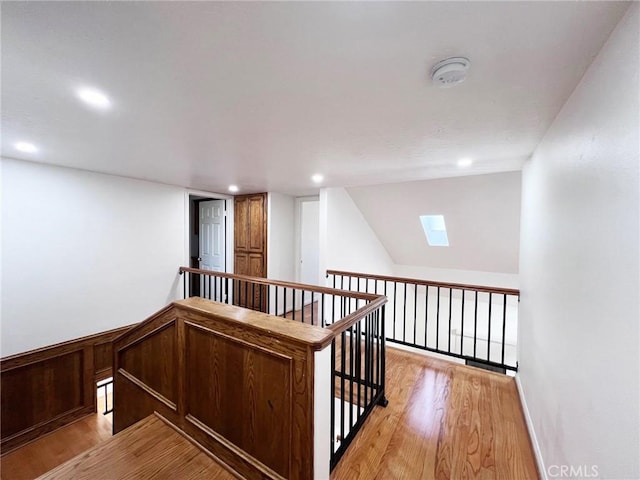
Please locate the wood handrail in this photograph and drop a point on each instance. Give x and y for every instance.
(280, 283)
(415, 281)
(343, 324)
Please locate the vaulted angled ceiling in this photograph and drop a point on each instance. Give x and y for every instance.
(263, 94)
(481, 212)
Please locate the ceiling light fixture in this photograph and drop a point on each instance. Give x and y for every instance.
(26, 147)
(450, 72)
(94, 98)
(465, 162)
(317, 178)
(233, 188)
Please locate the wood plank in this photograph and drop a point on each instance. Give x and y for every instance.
(300, 333)
(148, 449)
(444, 421)
(50, 451)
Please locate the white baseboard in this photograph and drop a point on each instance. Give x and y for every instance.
(532, 433)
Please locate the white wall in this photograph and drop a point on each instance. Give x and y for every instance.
(579, 311)
(281, 237)
(447, 275)
(84, 252)
(347, 242)
(280, 243)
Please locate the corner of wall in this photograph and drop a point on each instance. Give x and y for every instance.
(542, 472)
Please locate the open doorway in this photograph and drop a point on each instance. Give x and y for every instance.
(308, 233)
(207, 236)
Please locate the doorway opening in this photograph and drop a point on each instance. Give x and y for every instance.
(207, 237)
(308, 247)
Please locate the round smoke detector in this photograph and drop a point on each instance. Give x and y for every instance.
(450, 72)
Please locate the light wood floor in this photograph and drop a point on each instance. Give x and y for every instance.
(444, 421)
(148, 449)
(48, 452)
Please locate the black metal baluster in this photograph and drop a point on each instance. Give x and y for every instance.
(462, 325)
(504, 323)
(333, 395)
(312, 308)
(475, 325)
(333, 309)
(352, 362)
(293, 309)
(449, 325)
(359, 364)
(349, 301)
(376, 372)
(342, 368)
(489, 335)
(415, 312)
(322, 312)
(284, 303)
(367, 361)
(404, 315)
(426, 314)
(383, 363)
(302, 307)
(344, 307)
(395, 297)
(438, 320)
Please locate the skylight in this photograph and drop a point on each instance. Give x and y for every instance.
(435, 230)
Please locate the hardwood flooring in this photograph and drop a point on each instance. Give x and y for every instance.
(309, 314)
(444, 421)
(148, 449)
(48, 452)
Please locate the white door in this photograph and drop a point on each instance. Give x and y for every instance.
(309, 245)
(212, 235)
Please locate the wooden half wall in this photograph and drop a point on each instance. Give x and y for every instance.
(47, 388)
(239, 382)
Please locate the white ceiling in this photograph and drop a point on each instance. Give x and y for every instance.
(265, 94)
(481, 212)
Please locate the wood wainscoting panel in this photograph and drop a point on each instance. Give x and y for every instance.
(243, 383)
(103, 360)
(152, 360)
(47, 388)
(23, 402)
(243, 393)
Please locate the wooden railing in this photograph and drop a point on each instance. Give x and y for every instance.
(475, 323)
(355, 321)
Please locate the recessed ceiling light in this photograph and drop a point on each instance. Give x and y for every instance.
(317, 178)
(26, 147)
(94, 98)
(233, 188)
(465, 162)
